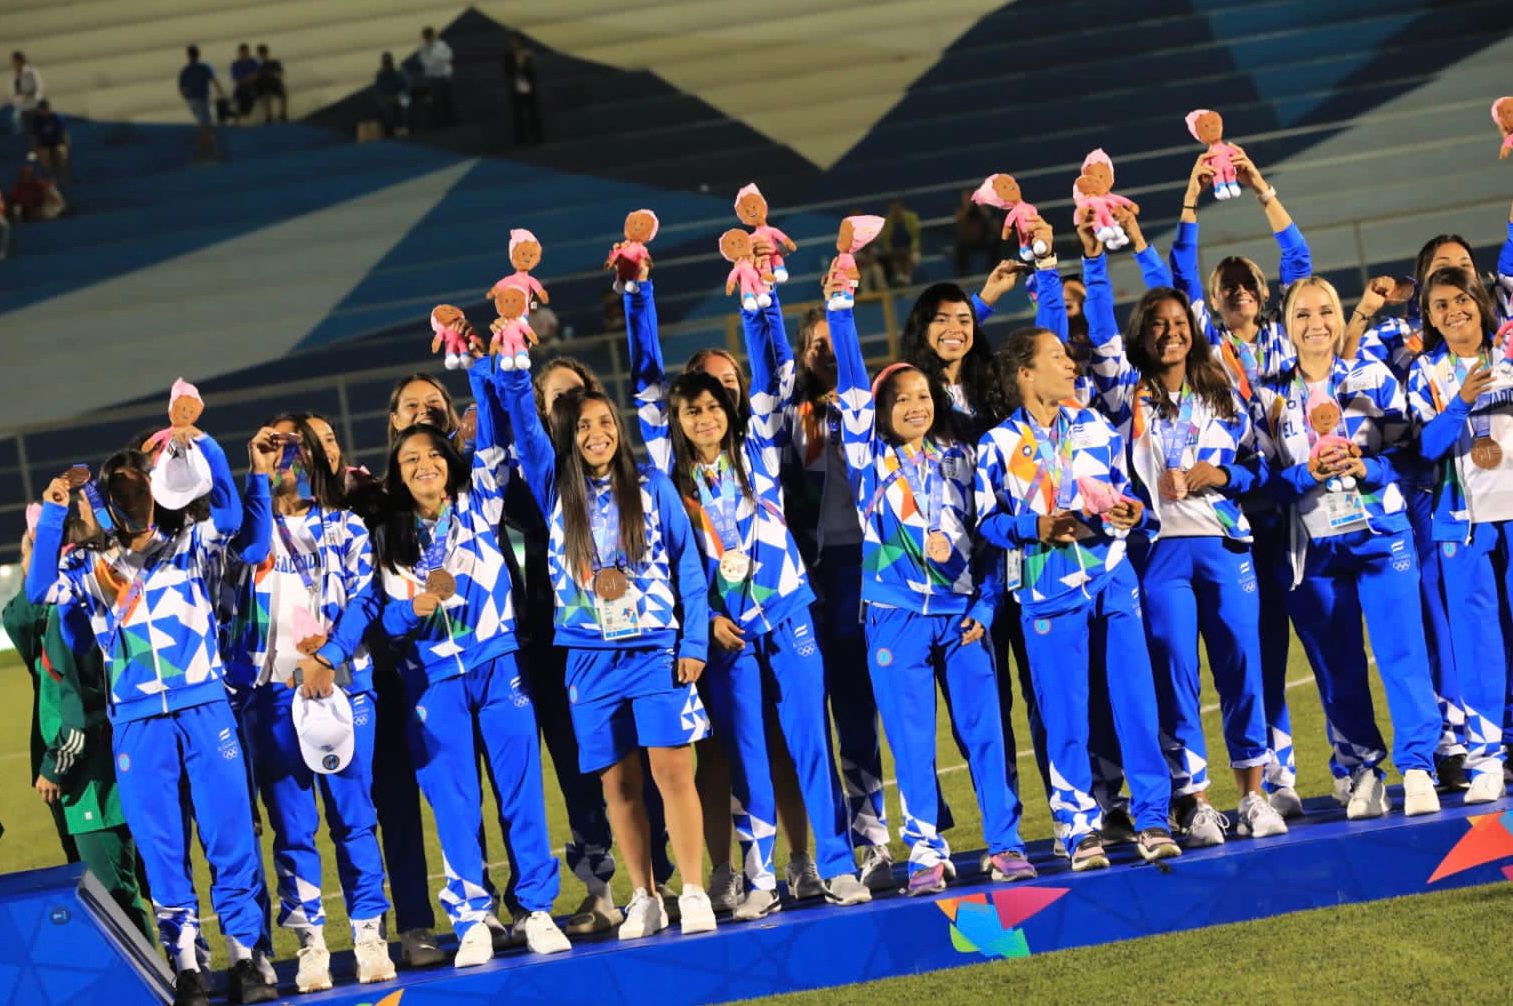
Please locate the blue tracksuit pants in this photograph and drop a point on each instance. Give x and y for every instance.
(1061, 648)
(1478, 582)
(1377, 574)
(1274, 576)
(906, 654)
(837, 580)
(1008, 642)
(781, 670)
(154, 757)
(1208, 585)
(1437, 638)
(493, 698)
(288, 789)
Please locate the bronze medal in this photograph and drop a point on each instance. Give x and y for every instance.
(938, 546)
(441, 583)
(77, 475)
(1486, 453)
(610, 583)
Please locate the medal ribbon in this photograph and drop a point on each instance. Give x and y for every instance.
(1177, 435)
(123, 608)
(722, 513)
(1481, 419)
(434, 554)
(604, 526)
(294, 552)
(97, 504)
(1053, 447)
(922, 476)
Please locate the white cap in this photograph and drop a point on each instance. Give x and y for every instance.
(325, 732)
(180, 476)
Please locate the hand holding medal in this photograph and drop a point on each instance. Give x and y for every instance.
(1172, 484)
(440, 587)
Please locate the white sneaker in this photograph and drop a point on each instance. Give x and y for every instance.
(756, 904)
(877, 868)
(418, 949)
(1485, 787)
(595, 915)
(1059, 832)
(697, 912)
(644, 916)
(725, 887)
(373, 963)
(846, 890)
(476, 947)
(1341, 791)
(1419, 794)
(1204, 826)
(264, 966)
(1368, 797)
(314, 974)
(803, 878)
(1258, 818)
(542, 935)
(1285, 801)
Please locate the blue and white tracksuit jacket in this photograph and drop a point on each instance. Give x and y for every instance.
(1372, 569)
(168, 698)
(917, 607)
(1473, 547)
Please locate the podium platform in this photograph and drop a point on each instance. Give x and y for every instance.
(1325, 860)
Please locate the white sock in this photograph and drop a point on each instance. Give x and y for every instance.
(313, 936)
(362, 928)
(693, 889)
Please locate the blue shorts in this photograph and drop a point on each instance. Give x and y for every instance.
(611, 725)
(200, 109)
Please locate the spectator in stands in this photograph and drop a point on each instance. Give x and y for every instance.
(974, 235)
(435, 58)
(874, 278)
(391, 92)
(195, 82)
(33, 197)
(898, 243)
(270, 86)
(26, 92)
(50, 141)
(545, 323)
(244, 70)
(520, 74)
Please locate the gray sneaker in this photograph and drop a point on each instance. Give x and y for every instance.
(877, 868)
(846, 890)
(1204, 826)
(725, 888)
(756, 904)
(803, 878)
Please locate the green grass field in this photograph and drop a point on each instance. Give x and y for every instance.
(1360, 951)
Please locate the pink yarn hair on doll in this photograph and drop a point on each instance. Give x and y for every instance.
(855, 234)
(1207, 127)
(751, 208)
(626, 257)
(454, 336)
(745, 275)
(1002, 191)
(512, 333)
(525, 255)
(1093, 193)
(1502, 114)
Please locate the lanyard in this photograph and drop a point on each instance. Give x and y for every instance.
(1177, 435)
(1054, 449)
(604, 527)
(925, 481)
(723, 512)
(1250, 355)
(123, 609)
(97, 504)
(294, 553)
(1481, 419)
(434, 555)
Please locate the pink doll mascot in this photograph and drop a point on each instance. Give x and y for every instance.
(754, 282)
(854, 235)
(627, 256)
(512, 333)
(1324, 419)
(1093, 194)
(455, 336)
(1502, 114)
(525, 255)
(184, 409)
(1002, 191)
(751, 208)
(1207, 126)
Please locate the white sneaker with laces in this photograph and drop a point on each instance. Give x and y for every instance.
(1368, 797)
(314, 974)
(476, 947)
(1285, 801)
(1204, 827)
(696, 911)
(644, 916)
(756, 904)
(877, 868)
(371, 951)
(725, 888)
(1486, 787)
(803, 878)
(846, 890)
(1258, 818)
(1419, 794)
(542, 935)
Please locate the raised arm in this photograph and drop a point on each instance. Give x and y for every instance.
(772, 378)
(1113, 375)
(648, 373)
(538, 462)
(225, 504)
(47, 545)
(854, 393)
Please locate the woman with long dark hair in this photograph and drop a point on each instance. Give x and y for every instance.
(146, 586)
(632, 612)
(449, 607)
(301, 613)
(1190, 451)
(1461, 394)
